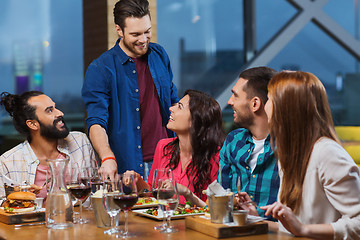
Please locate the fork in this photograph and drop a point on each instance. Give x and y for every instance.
(250, 202)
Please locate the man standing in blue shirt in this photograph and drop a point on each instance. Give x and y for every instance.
(246, 158)
(127, 92)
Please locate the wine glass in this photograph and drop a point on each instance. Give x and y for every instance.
(169, 197)
(81, 189)
(71, 174)
(95, 179)
(126, 199)
(110, 189)
(160, 173)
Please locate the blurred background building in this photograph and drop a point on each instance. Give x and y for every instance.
(47, 45)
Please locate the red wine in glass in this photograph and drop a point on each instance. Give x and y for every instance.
(80, 192)
(125, 202)
(166, 193)
(155, 193)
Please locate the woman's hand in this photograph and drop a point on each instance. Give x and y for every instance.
(190, 196)
(140, 183)
(286, 216)
(35, 189)
(243, 201)
(127, 175)
(182, 190)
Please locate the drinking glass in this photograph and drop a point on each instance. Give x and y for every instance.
(159, 174)
(169, 197)
(81, 189)
(126, 199)
(71, 173)
(111, 188)
(95, 179)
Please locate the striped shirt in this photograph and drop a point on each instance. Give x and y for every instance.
(19, 164)
(261, 184)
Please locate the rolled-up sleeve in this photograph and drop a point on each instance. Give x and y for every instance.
(96, 96)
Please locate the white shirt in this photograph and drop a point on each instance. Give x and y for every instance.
(258, 149)
(20, 163)
(331, 192)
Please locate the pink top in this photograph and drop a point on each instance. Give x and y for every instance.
(160, 162)
(40, 177)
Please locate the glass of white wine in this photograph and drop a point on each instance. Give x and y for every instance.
(168, 196)
(159, 174)
(111, 189)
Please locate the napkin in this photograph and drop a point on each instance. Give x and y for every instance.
(216, 189)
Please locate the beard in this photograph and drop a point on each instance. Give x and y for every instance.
(244, 118)
(131, 48)
(52, 132)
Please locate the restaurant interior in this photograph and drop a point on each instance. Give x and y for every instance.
(47, 45)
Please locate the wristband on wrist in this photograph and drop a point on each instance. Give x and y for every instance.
(107, 158)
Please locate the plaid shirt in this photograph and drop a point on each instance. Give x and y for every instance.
(262, 184)
(19, 163)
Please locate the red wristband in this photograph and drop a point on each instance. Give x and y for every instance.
(107, 158)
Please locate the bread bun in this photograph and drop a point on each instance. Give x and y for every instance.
(21, 210)
(22, 196)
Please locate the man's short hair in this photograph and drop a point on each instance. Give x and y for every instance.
(130, 8)
(258, 79)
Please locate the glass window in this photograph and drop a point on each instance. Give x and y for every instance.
(204, 39)
(41, 49)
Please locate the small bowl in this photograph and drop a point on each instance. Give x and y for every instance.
(240, 217)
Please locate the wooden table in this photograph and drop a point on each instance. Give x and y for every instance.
(143, 227)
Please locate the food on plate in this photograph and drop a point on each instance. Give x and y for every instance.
(145, 200)
(19, 202)
(181, 210)
(189, 210)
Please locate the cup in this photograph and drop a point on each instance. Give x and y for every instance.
(240, 217)
(221, 208)
(101, 216)
(39, 202)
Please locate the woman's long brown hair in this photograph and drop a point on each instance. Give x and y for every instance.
(301, 116)
(207, 137)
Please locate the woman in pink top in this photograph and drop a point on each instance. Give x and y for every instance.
(193, 154)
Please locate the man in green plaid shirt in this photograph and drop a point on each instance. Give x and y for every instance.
(246, 158)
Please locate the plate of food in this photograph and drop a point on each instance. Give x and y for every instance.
(145, 202)
(180, 212)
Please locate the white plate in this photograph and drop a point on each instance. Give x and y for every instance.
(146, 205)
(142, 212)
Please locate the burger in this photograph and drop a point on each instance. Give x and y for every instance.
(19, 202)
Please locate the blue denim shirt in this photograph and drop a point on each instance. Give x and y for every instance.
(111, 95)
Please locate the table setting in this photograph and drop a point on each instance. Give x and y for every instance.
(118, 210)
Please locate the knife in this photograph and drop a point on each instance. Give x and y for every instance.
(28, 224)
